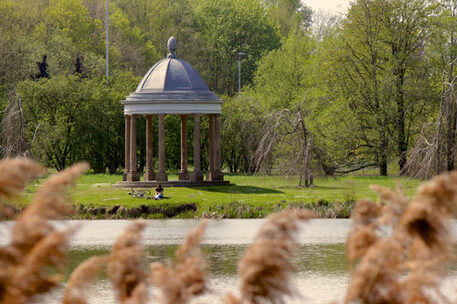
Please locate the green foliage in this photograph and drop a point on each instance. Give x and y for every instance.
(294, 97)
(379, 69)
(15, 45)
(290, 15)
(65, 32)
(283, 75)
(367, 85)
(70, 19)
(134, 49)
(103, 122)
(71, 119)
(52, 108)
(241, 131)
(226, 28)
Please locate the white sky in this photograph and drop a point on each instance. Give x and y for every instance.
(328, 6)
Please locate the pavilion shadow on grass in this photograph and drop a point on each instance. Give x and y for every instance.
(172, 87)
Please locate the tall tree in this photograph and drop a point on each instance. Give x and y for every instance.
(360, 72)
(52, 108)
(435, 150)
(289, 87)
(446, 46)
(406, 27)
(382, 42)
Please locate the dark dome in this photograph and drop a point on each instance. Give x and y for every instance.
(172, 86)
(172, 74)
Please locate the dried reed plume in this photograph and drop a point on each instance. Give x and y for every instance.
(30, 277)
(265, 267)
(186, 277)
(81, 278)
(406, 266)
(427, 215)
(35, 245)
(6, 210)
(15, 174)
(399, 248)
(231, 299)
(125, 268)
(375, 279)
(48, 203)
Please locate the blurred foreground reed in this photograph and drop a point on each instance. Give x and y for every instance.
(399, 249)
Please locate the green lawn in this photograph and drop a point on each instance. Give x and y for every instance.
(96, 190)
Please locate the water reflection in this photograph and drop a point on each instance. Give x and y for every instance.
(322, 270)
(222, 260)
(322, 259)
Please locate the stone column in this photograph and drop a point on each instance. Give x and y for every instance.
(217, 173)
(133, 174)
(161, 175)
(127, 147)
(197, 175)
(149, 174)
(218, 149)
(211, 147)
(183, 174)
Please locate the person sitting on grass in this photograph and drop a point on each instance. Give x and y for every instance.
(159, 192)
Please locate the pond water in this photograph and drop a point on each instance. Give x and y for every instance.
(322, 270)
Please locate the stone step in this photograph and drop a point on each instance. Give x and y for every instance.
(153, 184)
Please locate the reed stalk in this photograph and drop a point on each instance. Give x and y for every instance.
(35, 244)
(266, 267)
(125, 266)
(186, 277)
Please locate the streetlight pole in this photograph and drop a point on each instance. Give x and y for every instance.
(107, 43)
(239, 70)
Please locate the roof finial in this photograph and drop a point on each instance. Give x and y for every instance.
(172, 46)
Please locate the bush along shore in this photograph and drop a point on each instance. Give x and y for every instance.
(232, 210)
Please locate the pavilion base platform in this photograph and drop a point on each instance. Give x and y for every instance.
(181, 183)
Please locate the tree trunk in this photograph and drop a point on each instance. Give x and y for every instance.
(382, 161)
(451, 112)
(401, 136)
(383, 165)
(450, 140)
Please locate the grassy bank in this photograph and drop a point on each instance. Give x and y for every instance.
(246, 197)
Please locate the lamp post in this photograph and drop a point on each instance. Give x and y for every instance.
(239, 70)
(107, 43)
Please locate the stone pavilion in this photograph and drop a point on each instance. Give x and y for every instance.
(172, 87)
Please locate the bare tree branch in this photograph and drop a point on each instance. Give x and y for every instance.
(13, 125)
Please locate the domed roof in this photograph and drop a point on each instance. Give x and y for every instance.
(172, 74)
(172, 86)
